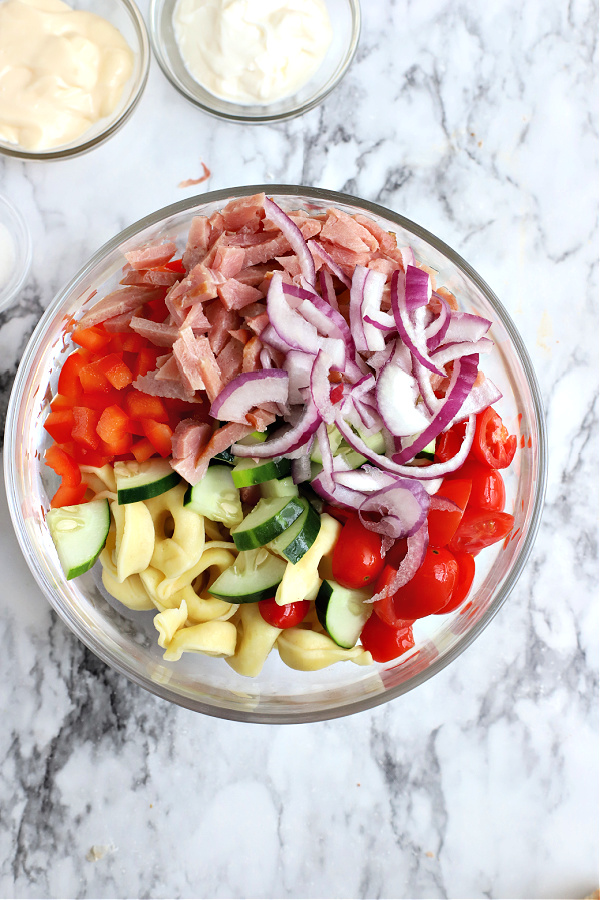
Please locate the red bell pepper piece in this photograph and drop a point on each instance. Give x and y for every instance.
(84, 427)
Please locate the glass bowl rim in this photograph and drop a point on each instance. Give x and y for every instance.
(354, 706)
(318, 98)
(23, 247)
(114, 124)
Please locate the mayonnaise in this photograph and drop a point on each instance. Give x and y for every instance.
(61, 70)
(252, 51)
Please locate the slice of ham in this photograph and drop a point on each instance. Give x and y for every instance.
(159, 333)
(122, 323)
(266, 250)
(189, 439)
(241, 334)
(229, 360)
(253, 275)
(186, 352)
(197, 242)
(251, 355)
(157, 387)
(346, 232)
(168, 370)
(387, 242)
(193, 468)
(195, 319)
(150, 277)
(236, 295)
(248, 211)
(290, 264)
(222, 321)
(261, 418)
(224, 261)
(119, 302)
(154, 255)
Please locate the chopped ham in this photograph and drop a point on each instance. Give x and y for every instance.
(347, 259)
(263, 252)
(196, 319)
(255, 309)
(246, 211)
(347, 233)
(290, 264)
(222, 321)
(236, 295)
(168, 370)
(154, 255)
(229, 360)
(387, 266)
(197, 242)
(253, 275)
(228, 261)
(251, 355)
(159, 333)
(194, 469)
(387, 242)
(189, 439)
(240, 334)
(187, 355)
(258, 323)
(209, 370)
(122, 323)
(217, 227)
(198, 286)
(118, 302)
(261, 417)
(157, 387)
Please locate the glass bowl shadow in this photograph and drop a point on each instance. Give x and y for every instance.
(345, 19)
(127, 640)
(125, 16)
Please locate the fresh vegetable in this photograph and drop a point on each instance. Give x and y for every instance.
(342, 612)
(479, 529)
(79, 534)
(487, 486)
(428, 591)
(442, 522)
(385, 642)
(296, 540)
(268, 520)
(492, 444)
(216, 497)
(357, 556)
(140, 481)
(254, 576)
(283, 616)
(464, 582)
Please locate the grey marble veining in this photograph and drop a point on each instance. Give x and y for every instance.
(479, 122)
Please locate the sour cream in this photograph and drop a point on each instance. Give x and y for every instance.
(252, 51)
(61, 70)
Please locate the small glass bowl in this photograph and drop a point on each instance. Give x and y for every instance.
(127, 640)
(345, 20)
(125, 16)
(16, 241)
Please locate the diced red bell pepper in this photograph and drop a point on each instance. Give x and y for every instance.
(93, 379)
(143, 450)
(59, 403)
(94, 338)
(69, 495)
(143, 406)
(176, 265)
(63, 464)
(69, 384)
(99, 400)
(112, 425)
(159, 436)
(127, 341)
(146, 360)
(84, 427)
(115, 370)
(86, 457)
(59, 425)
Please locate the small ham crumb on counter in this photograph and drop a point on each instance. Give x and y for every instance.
(190, 182)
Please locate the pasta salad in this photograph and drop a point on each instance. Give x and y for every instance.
(279, 440)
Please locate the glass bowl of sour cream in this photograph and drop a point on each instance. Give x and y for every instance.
(71, 74)
(255, 60)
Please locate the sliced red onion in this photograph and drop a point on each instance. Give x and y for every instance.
(436, 331)
(327, 291)
(408, 257)
(466, 327)
(326, 457)
(290, 326)
(444, 504)
(463, 379)
(293, 290)
(415, 554)
(269, 336)
(356, 298)
(296, 240)
(401, 509)
(382, 320)
(367, 479)
(298, 365)
(420, 473)
(449, 352)
(423, 377)
(285, 441)
(320, 387)
(403, 323)
(246, 391)
(418, 288)
(397, 394)
(371, 303)
(338, 496)
(481, 396)
(301, 469)
(316, 248)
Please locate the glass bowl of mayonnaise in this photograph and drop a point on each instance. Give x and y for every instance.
(255, 60)
(71, 73)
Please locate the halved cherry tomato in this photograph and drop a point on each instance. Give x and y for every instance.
(385, 607)
(384, 642)
(339, 513)
(487, 490)
(283, 616)
(449, 442)
(430, 588)
(442, 523)
(480, 528)
(466, 575)
(357, 559)
(492, 444)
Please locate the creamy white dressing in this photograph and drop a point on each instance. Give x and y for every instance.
(61, 70)
(252, 51)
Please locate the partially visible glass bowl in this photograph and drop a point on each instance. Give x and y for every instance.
(127, 640)
(125, 16)
(345, 20)
(14, 265)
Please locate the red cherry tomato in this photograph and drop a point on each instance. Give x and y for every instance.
(384, 642)
(384, 608)
(338, 512)
(357, 559)
(480, 528)
(283, 616)
(492, 444)
(442, 523)
(430, 588)
(487, 489)
(466, 574)
(449, 442)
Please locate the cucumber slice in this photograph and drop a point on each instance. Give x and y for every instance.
(225, 456)
(335, 439)
(266, 522)
(427, 453)
(257, 437)
(299, 537)
(140, 481)
(342, 612)
(248, 472)
(254, 576)
(279, 487)
(79, 534)
(216, 497)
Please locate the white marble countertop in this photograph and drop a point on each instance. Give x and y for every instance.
(479, 122)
